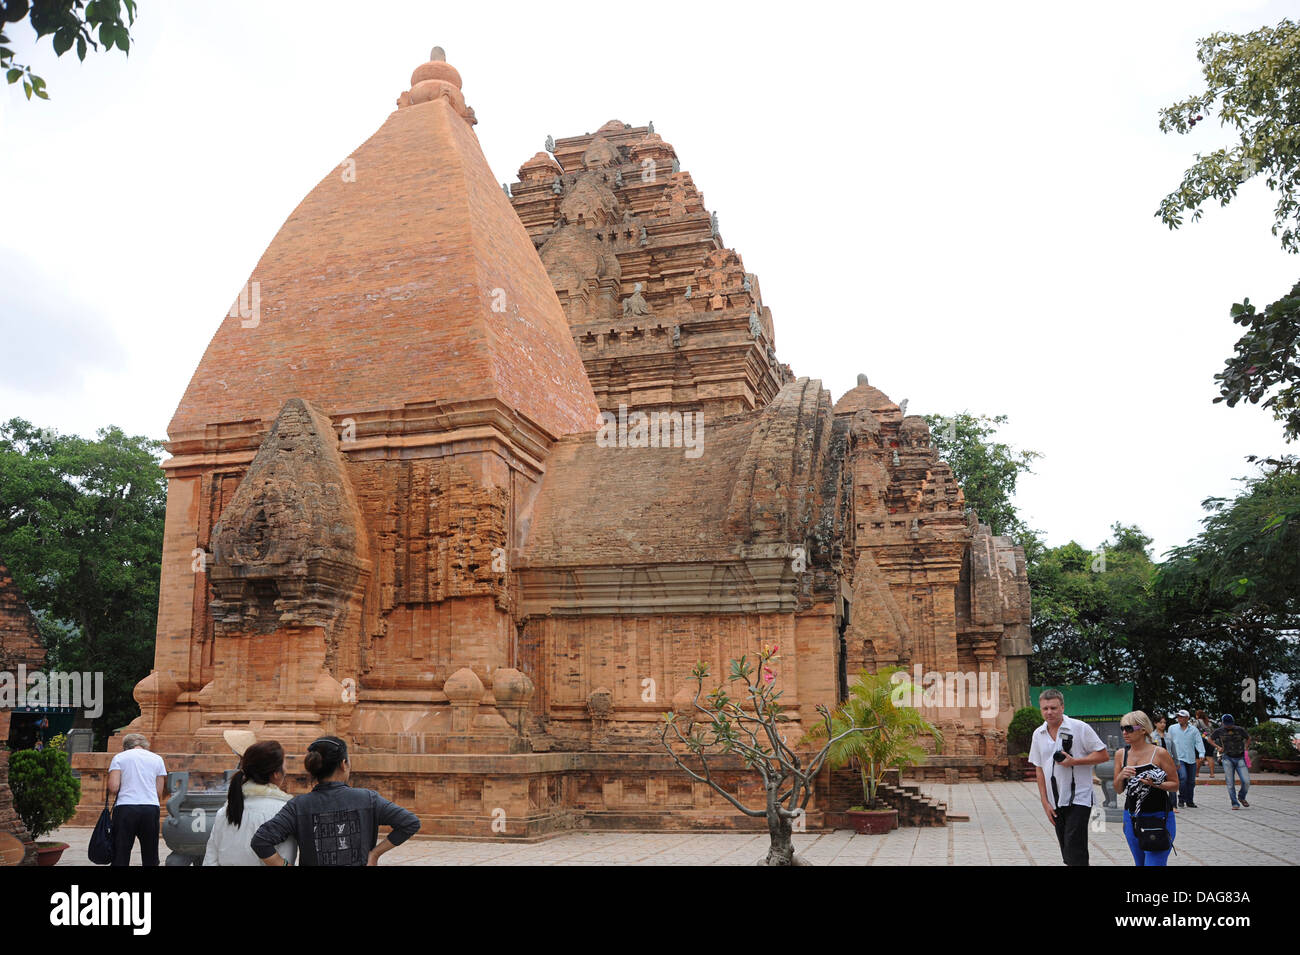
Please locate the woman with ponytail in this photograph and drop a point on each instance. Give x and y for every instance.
(254, 797)
(335, 824)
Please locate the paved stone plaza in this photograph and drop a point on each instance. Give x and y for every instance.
(1007, 827)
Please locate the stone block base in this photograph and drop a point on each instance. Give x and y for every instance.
(505, 796)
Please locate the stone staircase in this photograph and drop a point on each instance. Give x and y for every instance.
(842, 788)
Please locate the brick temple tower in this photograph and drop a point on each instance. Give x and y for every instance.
(391, 514)
(356, 455)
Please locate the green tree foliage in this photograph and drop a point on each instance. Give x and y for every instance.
(81, 524)
(987, 471)
(1253, 81)
(1266, 365)
(45, 791)
(70, 23)
(1214, 626)
(1093, 619)
(1233, 592)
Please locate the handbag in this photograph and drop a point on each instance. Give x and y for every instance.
(100, 850)
(1153, 835)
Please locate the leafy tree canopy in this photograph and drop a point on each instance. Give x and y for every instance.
(1234, 590)
(81, 526)
(1217, 625)
(1092, 611)
(1266, 365)
(1253, 81)
(70, 23)
(987, 471)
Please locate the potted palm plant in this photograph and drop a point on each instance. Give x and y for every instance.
(889, 740)
(45, 794)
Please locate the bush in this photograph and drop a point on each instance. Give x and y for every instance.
(45, 791)
(1273, 740)
(1021, 731)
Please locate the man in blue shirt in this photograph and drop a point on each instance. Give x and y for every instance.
(1186, 746)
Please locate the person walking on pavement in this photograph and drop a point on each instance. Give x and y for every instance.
(1203, 724)
(1233, 741)
(1067, 749)
(1187, 747)
(137, 779)
(1148, 777)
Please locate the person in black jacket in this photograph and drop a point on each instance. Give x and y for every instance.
(335, 825)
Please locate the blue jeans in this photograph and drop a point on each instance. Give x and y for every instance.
(1236, 765)
(1148, 858)
(1186, 783)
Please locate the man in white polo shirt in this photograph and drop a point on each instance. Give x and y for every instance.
(1067, 798)
(137, 778)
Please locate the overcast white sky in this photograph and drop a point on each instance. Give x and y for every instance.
(956, 199)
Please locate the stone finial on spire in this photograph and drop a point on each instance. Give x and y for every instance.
(437, 79)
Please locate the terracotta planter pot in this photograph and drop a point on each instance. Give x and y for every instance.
(48, 853)
(873, 822)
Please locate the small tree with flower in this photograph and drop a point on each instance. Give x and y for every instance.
(749, 726)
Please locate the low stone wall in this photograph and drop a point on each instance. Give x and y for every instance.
(507, 796)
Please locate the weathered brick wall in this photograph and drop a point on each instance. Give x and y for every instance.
(19, 644)
(612, 212)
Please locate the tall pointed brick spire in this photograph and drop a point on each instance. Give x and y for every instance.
(404, 277)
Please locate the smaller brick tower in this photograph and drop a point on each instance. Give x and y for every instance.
(664, 314)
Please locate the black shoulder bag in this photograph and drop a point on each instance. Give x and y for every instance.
(100, 850)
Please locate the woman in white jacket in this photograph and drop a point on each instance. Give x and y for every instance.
(254, 797)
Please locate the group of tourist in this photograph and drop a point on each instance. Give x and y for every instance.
(260, 824)
(1190, 741)
(338, 825)
(1155, 763)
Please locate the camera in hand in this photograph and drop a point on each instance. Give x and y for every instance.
(1067, 741)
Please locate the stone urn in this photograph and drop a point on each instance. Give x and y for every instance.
(1105, 772)
(190, 815)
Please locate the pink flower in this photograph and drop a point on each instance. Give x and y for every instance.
(768, 675)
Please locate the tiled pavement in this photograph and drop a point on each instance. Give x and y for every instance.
(1007, 827)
